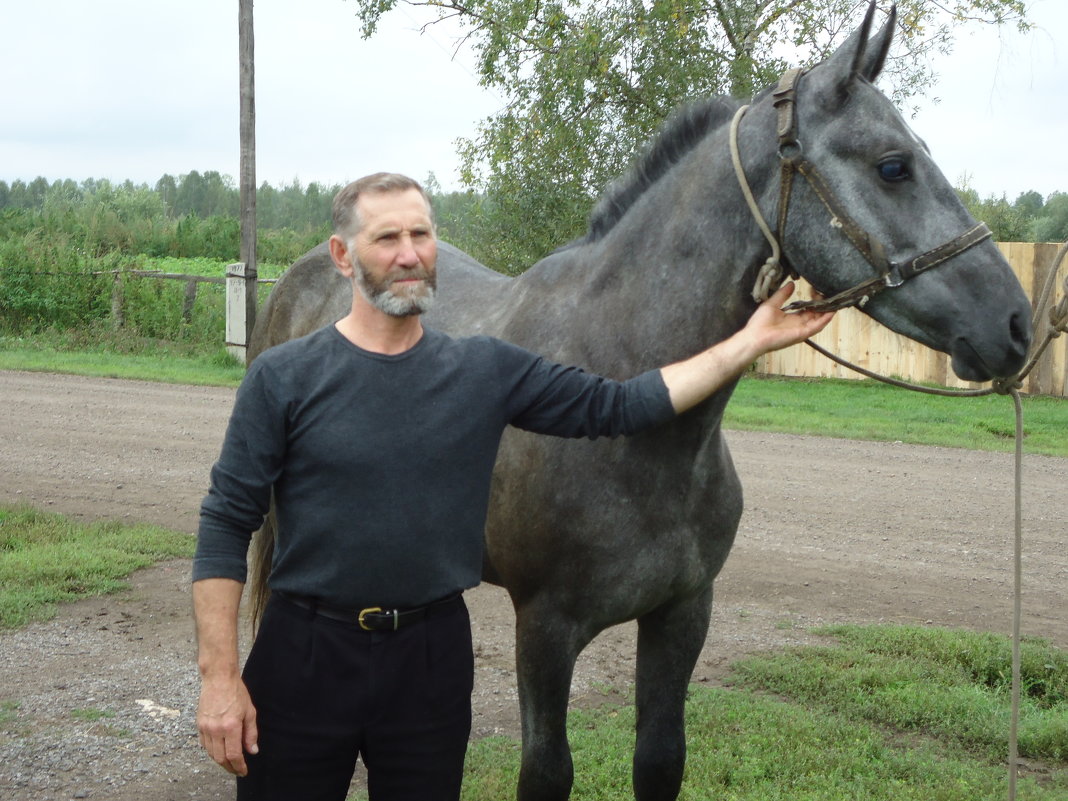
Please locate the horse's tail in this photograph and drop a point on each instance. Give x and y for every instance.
(261, 554)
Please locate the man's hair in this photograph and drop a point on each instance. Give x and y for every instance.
(347, 220)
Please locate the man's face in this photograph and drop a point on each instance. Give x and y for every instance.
(394, 252)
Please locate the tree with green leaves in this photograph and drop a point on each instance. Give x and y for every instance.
(586, 83)
(1009, 222)
(1051, 223)
(1029, 204)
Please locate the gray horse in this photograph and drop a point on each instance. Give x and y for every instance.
(586, 535)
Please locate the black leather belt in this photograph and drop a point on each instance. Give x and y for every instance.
(373, 618)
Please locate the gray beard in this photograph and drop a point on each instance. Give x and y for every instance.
(407, 304)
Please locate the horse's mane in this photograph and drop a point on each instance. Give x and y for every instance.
(679, 135)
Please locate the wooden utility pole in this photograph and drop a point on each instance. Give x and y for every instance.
(248, 176)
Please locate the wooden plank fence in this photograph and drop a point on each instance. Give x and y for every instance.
(859, 339)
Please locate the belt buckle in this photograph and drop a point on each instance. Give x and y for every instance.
(373, 610)
(368, 611)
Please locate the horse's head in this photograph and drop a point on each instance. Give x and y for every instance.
(867, 200)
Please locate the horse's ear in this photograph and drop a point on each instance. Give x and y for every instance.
(858, 56)
(878, 47)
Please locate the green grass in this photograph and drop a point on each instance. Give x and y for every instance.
(951, 684)
(91, 714)
(8, 711)
(117, 356)
(48, 559)
(746, 744)
(869, 410)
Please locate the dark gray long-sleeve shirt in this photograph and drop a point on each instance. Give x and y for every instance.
(381, 464)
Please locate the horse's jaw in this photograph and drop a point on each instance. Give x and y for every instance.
(985, 329)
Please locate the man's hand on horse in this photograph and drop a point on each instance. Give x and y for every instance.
(769, 328)
(772, 328)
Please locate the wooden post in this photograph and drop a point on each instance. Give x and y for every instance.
(248, 175)
(240, 304)
(189, 300)
(118, 317)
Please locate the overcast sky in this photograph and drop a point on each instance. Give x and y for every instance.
(131, 89)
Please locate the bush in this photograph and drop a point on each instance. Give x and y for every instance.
(211, 237)
(45, 283)
(285, 246)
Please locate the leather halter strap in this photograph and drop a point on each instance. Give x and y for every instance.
(793, 162)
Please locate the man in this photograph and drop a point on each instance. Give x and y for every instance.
(377, 437)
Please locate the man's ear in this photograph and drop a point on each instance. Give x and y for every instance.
(339, 252)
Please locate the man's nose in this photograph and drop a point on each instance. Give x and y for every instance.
(406, 254)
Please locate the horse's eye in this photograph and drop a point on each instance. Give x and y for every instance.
(894, 169)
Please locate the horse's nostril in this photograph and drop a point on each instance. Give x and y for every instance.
(1020, 330)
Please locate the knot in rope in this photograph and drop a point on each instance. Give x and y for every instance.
(1006, 386)
(769, 279)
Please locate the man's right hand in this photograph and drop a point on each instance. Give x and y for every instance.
(226, 720)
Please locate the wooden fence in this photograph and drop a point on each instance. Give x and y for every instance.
(240, 299)
(856, 337)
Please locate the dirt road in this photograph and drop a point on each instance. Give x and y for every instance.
(99, 703)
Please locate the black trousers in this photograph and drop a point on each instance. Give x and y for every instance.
(326, 691)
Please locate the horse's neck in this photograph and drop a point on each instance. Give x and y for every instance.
(667, 280)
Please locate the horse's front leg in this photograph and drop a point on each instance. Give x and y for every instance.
(670, 639)
(547, 646)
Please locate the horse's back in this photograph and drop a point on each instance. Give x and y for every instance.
(470, 296)
(308, 296)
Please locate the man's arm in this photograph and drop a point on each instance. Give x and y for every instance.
(770, 328)
(226, 718)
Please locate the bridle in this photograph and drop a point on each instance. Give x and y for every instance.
(890, 275)
(793, 162)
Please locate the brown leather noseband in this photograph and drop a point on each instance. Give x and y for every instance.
(890, 274)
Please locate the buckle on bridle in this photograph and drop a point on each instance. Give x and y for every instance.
(893, 278)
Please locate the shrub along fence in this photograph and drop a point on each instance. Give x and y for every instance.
(856, 337)
(105, 293)
(238, 307)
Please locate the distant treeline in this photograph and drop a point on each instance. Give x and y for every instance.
(189, 216)
(196, 215)
(207, 194)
